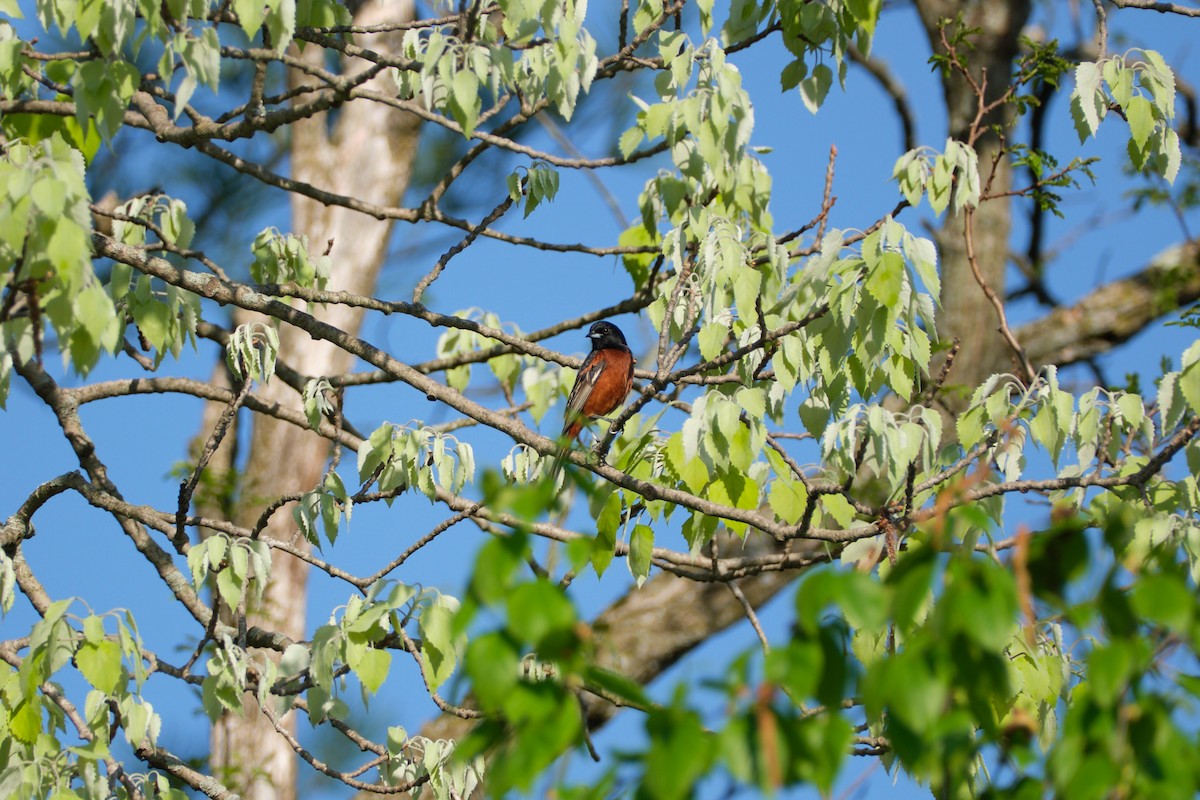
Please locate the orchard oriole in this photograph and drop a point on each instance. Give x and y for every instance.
(603, 381)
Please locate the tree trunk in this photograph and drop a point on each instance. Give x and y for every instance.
(967, 314)
(369, 154)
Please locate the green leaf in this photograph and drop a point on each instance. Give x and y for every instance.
(1119, 80)
(1140, 114)
(980, 602)
(1189, 385)
(538, 610)
(230, 587)
(603, 547)
(828, 737)
(96, 313)
(734, 488)
(923, 255)
(1087, 100)
(372, 668)
(38, 127)
(792, 74)
(641, 546)
(1165, 598)
(251, 14)
(886, 280)
(680, 752)
(797, 667)
(494, 666)
(915, 692)
(26, 720)
(616, 684)
(788, 499)
(838, 507)
(815, 88)
(970, 426)
(910, 583)
(53, 637)
(495, 565)
(711, 339)
(629, 141)
(439, 651)
(281, 23)
(377, 448)
(1109, 668)
(100, 663)
(543, 185)
(692, 472)
(103, 90)
(465, 102)
(863, 601)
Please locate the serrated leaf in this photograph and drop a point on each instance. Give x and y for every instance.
(281, 23)
(838, 507)
(885, 281)
(251, 14)
(711, 339)
(465, 102)
(1172, 155)
(372, 668)
(100, 663)
(1140, 115)
(438, 650)
(25, 722)
(787, 499)
(815, 88)
(1084, 105)
(629, 141)
(1189, 386)
(230, 587)
(792, 74)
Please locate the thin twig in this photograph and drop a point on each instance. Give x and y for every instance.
(210, 448)
(740, 596)
(471, 236)
(969, 234)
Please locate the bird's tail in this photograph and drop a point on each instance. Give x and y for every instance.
(560, 459)
(568, 437)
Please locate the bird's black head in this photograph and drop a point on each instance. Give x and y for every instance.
(606, 335)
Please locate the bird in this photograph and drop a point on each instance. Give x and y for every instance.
(601, 385)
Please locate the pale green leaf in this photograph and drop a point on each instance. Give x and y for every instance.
(815, 88)
(1140, 114)
(1087, 99)
(100, 663)
(1189, 385)
(787, 499)
(372, 668)
(251, 14)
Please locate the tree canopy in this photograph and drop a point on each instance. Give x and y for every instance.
(337, 321)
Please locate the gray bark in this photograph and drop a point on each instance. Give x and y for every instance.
(965, 307)
(368, 154)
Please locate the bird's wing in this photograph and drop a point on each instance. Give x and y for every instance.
(585, 382)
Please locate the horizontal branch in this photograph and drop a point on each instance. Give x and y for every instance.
(1115, 312)
(1162, 8)
(206, 391)
(245, 297)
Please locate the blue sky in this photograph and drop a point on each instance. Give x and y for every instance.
(79, 551)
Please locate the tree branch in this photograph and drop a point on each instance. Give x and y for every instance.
(1116, 312)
